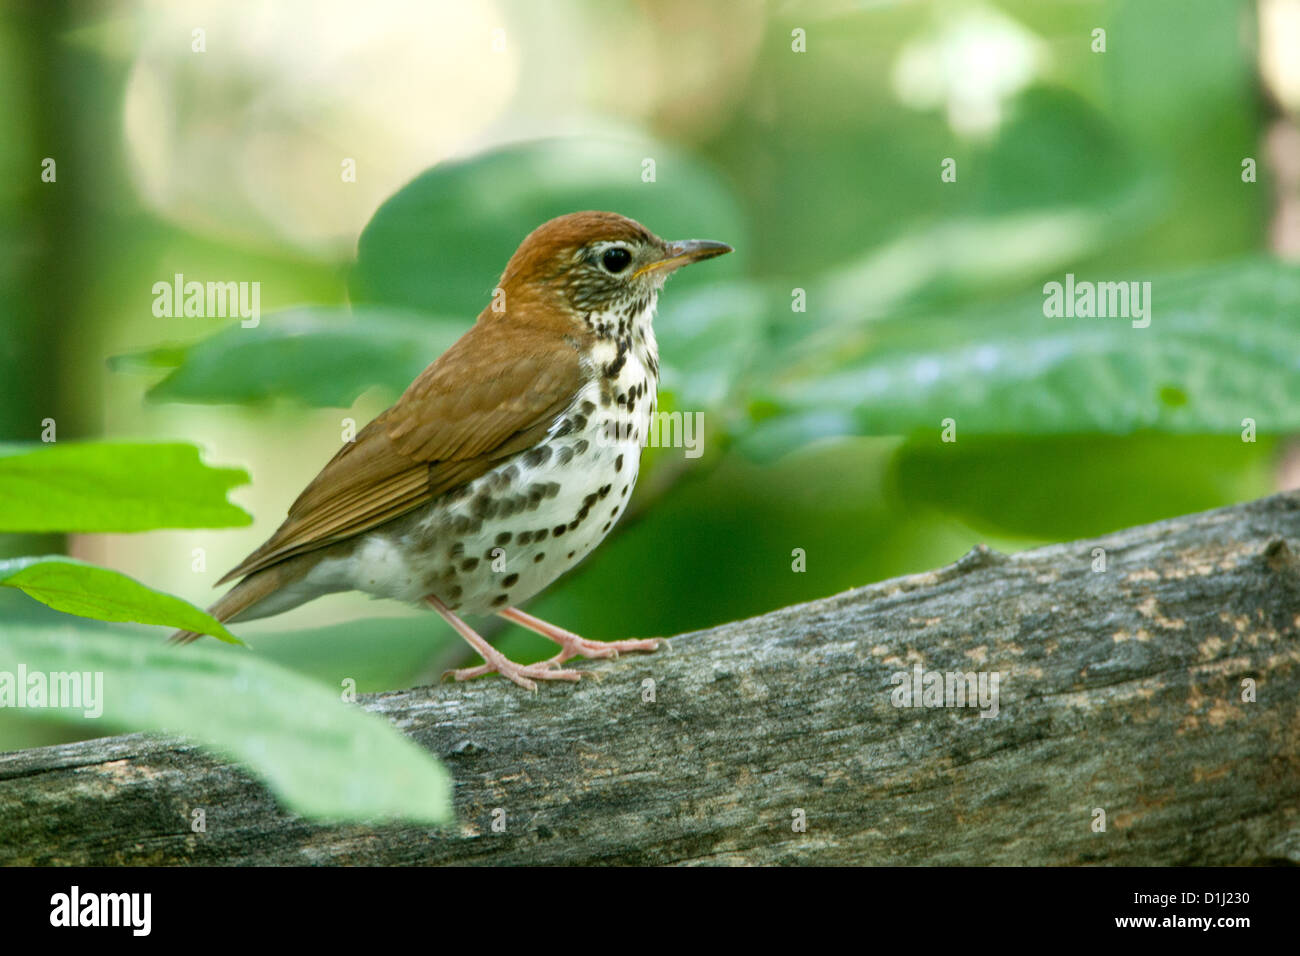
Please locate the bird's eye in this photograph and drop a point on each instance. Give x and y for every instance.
(616, 259)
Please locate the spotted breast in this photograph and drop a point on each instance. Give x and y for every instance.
(500, 539)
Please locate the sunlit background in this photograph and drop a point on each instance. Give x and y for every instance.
(812, 135)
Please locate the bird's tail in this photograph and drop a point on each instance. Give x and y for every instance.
(236, 601)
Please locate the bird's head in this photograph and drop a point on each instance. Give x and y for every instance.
(596, 262)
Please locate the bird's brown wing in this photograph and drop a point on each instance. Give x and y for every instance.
(492, 394)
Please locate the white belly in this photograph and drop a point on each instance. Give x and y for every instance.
(553, 505)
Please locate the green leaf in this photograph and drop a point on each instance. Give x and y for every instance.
(428, 261)
(1061, 489)
(75, 587)
(707, 338)
(114, 486)
(321, 355)
(1220, 348)
(334, 652)
(324, 759)
(820, 200)
(441, 242)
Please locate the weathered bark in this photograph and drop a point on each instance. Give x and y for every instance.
(1120, 690)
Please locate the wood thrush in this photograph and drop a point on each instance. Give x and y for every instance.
(504, 463)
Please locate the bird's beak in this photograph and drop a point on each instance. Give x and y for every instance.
(685, 251)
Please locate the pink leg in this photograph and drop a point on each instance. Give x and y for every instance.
(495, 660)
(571, 645)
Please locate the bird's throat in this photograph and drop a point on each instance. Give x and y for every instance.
(625, 334)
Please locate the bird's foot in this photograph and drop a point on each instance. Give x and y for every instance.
(494, 661)
(521, 674)
(574, 646)
(571, 645)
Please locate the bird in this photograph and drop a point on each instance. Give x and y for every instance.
(504, 463)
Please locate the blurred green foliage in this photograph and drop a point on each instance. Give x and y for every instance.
(438, 244)
(322, 355)
(114, 486)
(75, 587)
(924, 303)
(326, 760)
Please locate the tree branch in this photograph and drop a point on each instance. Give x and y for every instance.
(1120, 691)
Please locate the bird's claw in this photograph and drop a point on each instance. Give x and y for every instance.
(522, 674)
